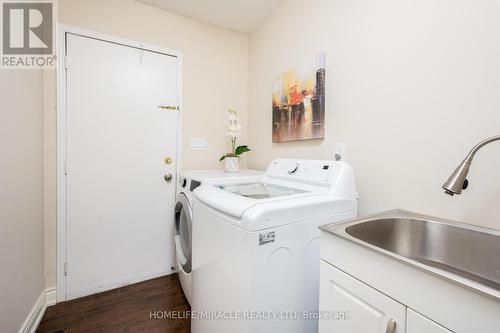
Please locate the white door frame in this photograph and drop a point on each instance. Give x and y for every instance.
(62, 30)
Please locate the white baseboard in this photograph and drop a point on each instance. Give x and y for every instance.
(35, 316)
(51, 296)
(47, 298)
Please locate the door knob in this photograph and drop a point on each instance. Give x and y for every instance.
(168, 177)
(391, 326)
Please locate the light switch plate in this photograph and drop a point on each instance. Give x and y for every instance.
(340, 152)
(199, 144)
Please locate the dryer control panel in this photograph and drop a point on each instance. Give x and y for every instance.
(313, 170)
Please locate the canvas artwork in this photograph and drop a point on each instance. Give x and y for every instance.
(299, 103)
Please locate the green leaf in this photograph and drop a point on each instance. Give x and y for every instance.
(226, 155)
(241, 149)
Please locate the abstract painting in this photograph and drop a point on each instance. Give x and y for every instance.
(299, 103)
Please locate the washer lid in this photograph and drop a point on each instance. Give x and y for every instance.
(260, 190)
(235, 199)
(287, 185)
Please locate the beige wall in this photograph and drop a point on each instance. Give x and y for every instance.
(215, 78)
(21, 196)
(411, 86)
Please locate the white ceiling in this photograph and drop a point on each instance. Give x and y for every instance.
(239, 15)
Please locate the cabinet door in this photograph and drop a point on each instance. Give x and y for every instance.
(417, 323)
(367, 310)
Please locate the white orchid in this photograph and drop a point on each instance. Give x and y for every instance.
(232, 115)
(235, 129)
(234, 126)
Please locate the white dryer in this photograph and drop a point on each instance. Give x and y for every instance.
(183, 216)
(256, 246)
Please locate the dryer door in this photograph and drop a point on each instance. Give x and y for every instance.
(183, 227)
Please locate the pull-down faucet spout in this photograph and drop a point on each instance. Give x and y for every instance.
(458, 179)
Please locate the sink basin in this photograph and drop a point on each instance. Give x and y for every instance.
(469, 253)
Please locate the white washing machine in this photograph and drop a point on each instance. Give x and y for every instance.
(183, 216)
(256, 259)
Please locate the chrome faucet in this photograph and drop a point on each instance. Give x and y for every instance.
(458, 179)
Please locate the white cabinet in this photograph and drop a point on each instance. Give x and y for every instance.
(348, 305)
(417, 323)
(434, 304)
(366, 309)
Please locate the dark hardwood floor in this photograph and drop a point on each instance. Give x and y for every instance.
(125, 309)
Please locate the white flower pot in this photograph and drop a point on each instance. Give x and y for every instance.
(231, 164)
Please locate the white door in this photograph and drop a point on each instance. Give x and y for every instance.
(417, 323)
(359, 308)
(119, 227)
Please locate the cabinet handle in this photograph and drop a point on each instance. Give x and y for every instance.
(391, 326)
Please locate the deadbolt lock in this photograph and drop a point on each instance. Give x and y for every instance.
(169, 107)
(168, 160)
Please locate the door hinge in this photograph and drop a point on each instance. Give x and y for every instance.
(65, 168)
(65, 269)
(66, 61)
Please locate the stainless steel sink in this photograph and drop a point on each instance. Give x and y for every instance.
(466, 251)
